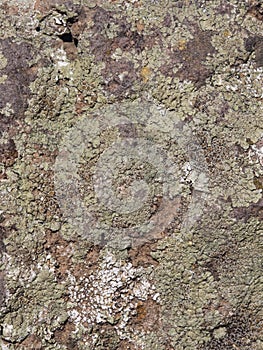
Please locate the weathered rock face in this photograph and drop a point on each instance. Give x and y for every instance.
(131, 137)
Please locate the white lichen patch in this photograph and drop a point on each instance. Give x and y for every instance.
(110, 295)
(246, 79)
(60, 57)
(7, 110)
(257, 150)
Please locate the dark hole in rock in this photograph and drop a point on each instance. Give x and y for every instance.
(72, 20)
(76, 42)
(68, 38)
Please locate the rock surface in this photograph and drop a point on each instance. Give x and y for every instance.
(131, 136)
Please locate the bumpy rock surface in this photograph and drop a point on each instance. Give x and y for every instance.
(163, 92)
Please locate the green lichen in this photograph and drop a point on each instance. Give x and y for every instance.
(209, 275)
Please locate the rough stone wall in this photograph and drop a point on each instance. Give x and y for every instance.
(177, 85)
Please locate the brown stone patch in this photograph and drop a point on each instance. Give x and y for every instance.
(125, 345)
(255, 44)
(2, 289)
(79, 23)
(147, 315)
(32, 342)
(70, 49)
(92, 258)
(147, 319)
(63, 336)
(61, 250)
(192, 55)
(258, 182)
(8, 153)
(254, 210)
(125, 39)
(119, 77)
(89, 264)
(259, 53)
(128, 40)
(100, 47)
(20, 73)
(141, 256)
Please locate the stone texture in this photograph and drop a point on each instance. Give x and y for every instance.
(185, 76)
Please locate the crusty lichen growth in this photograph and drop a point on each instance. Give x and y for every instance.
(109, 295)
(61, 62)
